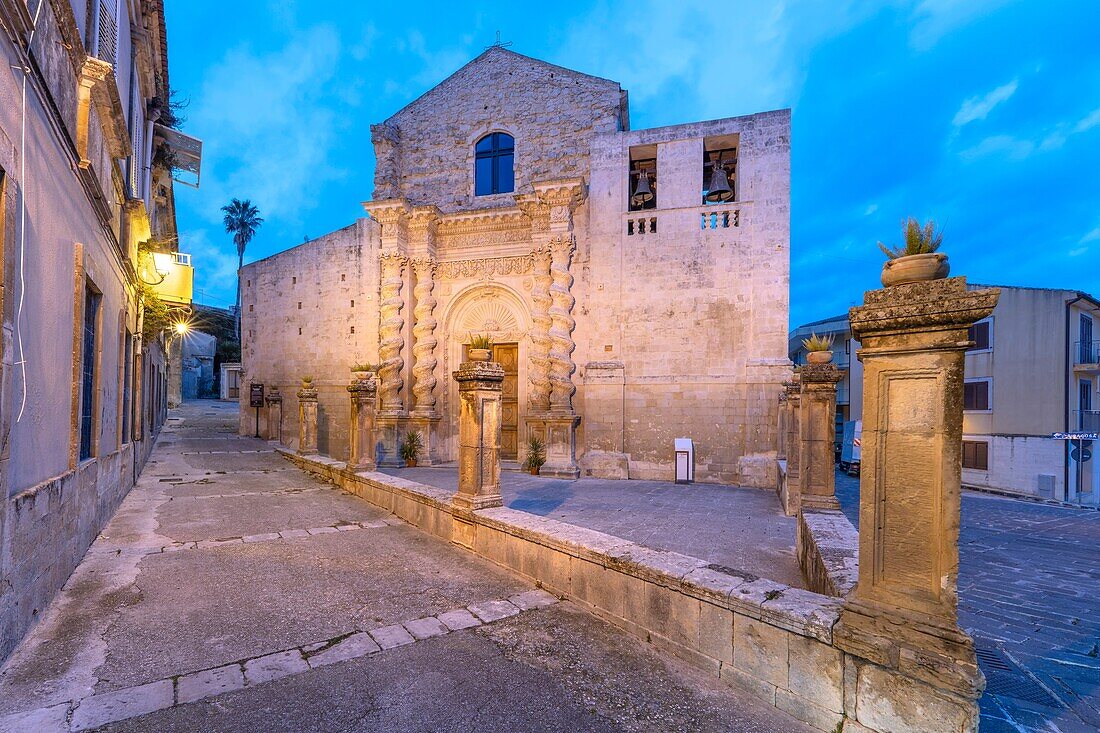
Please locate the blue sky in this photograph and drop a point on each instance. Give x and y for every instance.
(983, 114)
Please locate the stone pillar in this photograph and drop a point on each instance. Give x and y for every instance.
(781, 428)
(361, 450)
(273, 427)
(479, 389)
(391, 340)
(817, 425)
(307, 421)
(902, 615)
(423, 417)
(538, 369)
(790, 488)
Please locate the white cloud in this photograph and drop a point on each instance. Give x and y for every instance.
(268, 137)
(978, 108)
(1004, 146)
(658, 45)
(1091, 236)
(871, 208)
(934, 19)
(1090, 121)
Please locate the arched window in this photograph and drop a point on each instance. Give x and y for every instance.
(494, 157)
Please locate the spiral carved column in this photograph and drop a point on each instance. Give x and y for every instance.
(390, 339)
(561, 327)
(424, 324)
(538, 368)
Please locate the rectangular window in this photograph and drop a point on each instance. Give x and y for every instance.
(88, 372)
(1087, 349)
(1084, 395)
(976, 455)
(976, 395)
(981, 333)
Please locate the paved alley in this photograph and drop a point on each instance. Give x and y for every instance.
(233, 592)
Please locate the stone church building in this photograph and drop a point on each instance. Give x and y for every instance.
(631, 298)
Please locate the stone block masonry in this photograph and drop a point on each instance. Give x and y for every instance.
(775, 641)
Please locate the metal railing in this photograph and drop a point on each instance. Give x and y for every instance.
(1087, 421)
(1086, 352)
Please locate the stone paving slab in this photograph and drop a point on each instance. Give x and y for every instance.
(730, 526)
(501, 678)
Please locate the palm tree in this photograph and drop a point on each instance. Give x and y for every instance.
(241, 220)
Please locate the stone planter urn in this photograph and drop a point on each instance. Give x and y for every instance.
(819, 357)
(361, 376)
(307, 384)
(915, 268)
(479, 354)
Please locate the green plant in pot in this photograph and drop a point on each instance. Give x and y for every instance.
(362, 370)
(410, 449)
(307, 382)
(481, 348)
(918, 259)
(536, 455)
(819, 349)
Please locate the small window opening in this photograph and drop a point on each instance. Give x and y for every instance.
(494, 164)
(642, 178)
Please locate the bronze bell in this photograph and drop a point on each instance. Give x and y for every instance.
(643, 194)
(719, 189)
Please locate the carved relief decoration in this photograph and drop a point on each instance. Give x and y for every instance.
(390, 341)
(539, 360)
(562, 325)
(489, 315)
(424, 343)
(460, 269)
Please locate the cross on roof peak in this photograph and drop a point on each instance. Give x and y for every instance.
(498, 43)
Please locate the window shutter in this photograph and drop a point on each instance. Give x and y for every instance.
(106, 47)
(137, 138)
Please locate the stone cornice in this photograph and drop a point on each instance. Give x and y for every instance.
(484, 220)
(561, 192)
(934, 305)
(826, 374)
(388, 212)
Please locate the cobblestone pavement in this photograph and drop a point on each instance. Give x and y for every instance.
(1029, 587)
(232, 592)
(691, 519)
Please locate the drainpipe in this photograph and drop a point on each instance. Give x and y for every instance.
(1068, 351)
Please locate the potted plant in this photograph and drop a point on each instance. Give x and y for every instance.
(918, 260)
(481, 348)
(362, 371)
(819, 349)
(410, 449)
(536, 455)
(307, 382)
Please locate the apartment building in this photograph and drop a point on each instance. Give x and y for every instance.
(1032, 373)
(849, 392)
(90, 277)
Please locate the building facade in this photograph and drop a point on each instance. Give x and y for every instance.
(83, 208)
(849, 390)
(509, 201)
(1032, 371)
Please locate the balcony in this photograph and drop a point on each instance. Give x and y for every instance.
(1086, 421)
(176, 277)
(1086, 357)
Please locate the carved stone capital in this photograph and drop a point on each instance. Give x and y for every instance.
(422, 227)
(363, 390)
(479, 375)
(393, 215)
(936, 305)
(423, 267)
(820, 374)
(307, 395)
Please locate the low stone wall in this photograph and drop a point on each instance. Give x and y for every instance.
(50, 527)
(770, 639)
(828, 551)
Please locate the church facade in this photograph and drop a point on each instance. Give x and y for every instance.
(634, 282)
